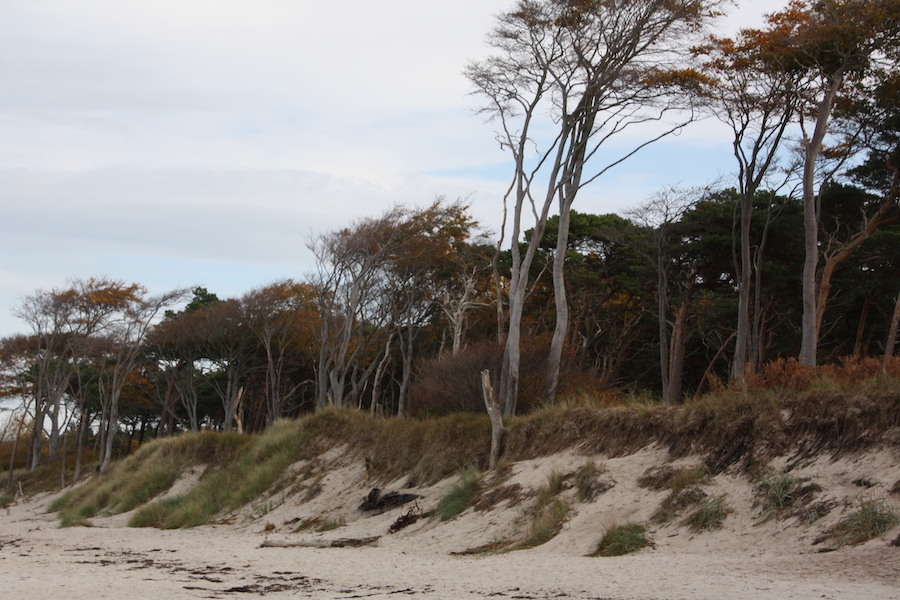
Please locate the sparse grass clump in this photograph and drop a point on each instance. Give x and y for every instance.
(683, 485)
(549, 513)
(676, 502)
(675, 480)
(622, 539)
(709, 515)
(586, 484)
(777, 493)
(546, 523)
(461, 494)
(331, 524)
(873, 518)
(550, 490)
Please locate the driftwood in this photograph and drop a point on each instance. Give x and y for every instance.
(406, 519)
(375, 500)
(341, 543)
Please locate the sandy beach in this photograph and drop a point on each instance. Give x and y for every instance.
(742, 561)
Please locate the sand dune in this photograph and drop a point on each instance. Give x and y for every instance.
(784, 557)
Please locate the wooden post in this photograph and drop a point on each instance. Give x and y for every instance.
(493, 410)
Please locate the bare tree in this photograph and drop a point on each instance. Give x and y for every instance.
(584, 72)
(657, 218)
(755, 102)
(125, 334)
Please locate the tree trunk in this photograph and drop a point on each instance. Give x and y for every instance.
(663, 285)
(554, 359)
(892, 335)
(809, 334)
(493, 411)
(858, 350)
(112, 425)
(742, 338)
(679, 342)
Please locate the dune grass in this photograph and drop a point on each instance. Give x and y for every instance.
(872, 519)
(709, 515)
(461, 495)
(740, 428)
(549, 512)
(776, 494)
(622, 539)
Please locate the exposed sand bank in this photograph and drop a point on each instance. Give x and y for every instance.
(781, 558)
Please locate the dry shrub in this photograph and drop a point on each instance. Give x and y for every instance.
(666, 477)
(790, 375)
(854, 370)
(782, 374)
(450, 384)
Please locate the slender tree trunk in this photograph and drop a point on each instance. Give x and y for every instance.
(742, 339)
(112, 426)
(375, 407)
(79, 441)
(892, 335)
(554, 359)
(679, 343)
(861, 327)
(493, 410)
(662, 307)
(809, 334)
(37, 436)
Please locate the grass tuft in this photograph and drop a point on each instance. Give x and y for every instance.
(461, 494)
(585, 479)
(331, 524)
(776, 493)
(709, 515)
(546, 523)
(622, 539)
(549, 513)
(872, 519)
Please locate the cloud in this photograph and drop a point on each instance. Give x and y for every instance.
(179, 143)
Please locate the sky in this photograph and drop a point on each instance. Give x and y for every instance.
(183, 143)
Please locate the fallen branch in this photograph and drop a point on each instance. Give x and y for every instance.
(341, 543)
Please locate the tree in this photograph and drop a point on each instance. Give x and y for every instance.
(658, 218)
(124, 335)
(594, 69)
(281, 316)
(376, 279)
(822, 48)
(62, 322)
(755, 102)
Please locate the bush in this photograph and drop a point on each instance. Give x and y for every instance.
(449, 384)
(622, 539)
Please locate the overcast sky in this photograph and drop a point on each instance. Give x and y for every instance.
(177, 143)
